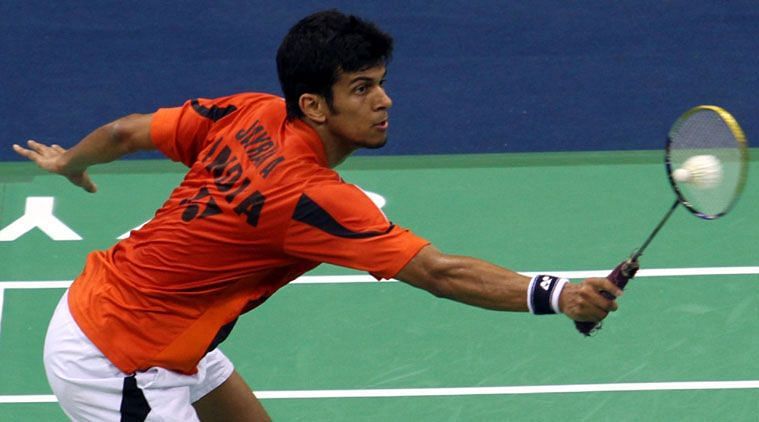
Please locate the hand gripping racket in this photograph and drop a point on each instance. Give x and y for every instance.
(706, 158)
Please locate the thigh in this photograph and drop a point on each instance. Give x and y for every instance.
(89, 388)
(233, 400)
(86, 385)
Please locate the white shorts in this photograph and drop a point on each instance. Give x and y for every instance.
(90, 388)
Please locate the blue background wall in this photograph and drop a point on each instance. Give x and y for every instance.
(468, 76)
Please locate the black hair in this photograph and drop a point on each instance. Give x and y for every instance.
(321, 46)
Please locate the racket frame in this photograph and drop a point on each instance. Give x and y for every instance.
(742, 146)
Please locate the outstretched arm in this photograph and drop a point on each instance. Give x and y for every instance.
(480, 283)
(104, 144)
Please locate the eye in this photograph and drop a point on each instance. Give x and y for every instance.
(361, 89)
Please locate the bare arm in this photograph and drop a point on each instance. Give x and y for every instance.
(480, 283)
(104, 144)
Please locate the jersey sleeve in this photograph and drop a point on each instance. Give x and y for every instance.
(340, 225)
(182, 132)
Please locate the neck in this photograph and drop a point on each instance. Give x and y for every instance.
(335, 148)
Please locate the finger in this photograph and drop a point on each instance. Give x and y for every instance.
(89, 186)
(613, 306)
(23, 151)
(583, 302)
(597, 315)
(36, 146)
(602, 302)
(609, 286)
(591, 313)
(593, 294)
(599, 306)
(605, 285)
(83, 180)
(58, 148)
(42, 149)
(600, 315)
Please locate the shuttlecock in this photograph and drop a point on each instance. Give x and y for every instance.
(701, 171)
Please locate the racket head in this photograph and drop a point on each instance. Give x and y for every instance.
(708, 131)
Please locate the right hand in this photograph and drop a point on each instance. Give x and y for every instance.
(51, 158)
(584, 302)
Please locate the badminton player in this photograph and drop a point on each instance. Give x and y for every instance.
(136, 336)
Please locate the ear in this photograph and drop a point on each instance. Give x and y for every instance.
(314, 107)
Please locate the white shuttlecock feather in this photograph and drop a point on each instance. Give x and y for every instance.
(701, 171)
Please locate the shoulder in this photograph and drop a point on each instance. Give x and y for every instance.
(247, 97)
(333, 192)
(215, 108)
(257, 97)
(342, 202)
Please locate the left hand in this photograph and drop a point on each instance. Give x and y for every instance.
(51, 158)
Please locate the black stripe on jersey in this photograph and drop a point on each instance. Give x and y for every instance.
(226, 329)
(221, 335)
(134, 406)
(309, 212)
(214, 113)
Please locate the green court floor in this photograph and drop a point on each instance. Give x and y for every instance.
(681, 347)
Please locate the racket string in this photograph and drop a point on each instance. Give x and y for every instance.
(708, 133)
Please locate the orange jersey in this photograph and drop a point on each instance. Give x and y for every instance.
(258, 207)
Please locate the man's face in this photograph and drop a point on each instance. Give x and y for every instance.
(358, 117)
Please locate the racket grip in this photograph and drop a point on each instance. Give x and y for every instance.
(621, 274)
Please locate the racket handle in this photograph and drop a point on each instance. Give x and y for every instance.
(623, 273)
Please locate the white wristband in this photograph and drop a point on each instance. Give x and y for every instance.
(556, 293)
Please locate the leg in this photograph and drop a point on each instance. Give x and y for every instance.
(233, 400)
(90, 388)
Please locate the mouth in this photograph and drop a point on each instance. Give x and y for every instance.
(383, 125)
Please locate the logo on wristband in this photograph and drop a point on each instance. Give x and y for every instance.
(545, 300)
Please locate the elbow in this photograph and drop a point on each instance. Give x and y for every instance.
(125, 133)
(440, 292)
(440, 275)
(432, 271)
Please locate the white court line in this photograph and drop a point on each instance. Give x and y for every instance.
(2, 301)
(61, 284)
(465, 391)
(513, 390)
(661, 272)
(359, 278)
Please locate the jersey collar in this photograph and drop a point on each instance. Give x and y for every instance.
(311, 139)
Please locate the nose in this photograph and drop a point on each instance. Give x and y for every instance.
(384, 101)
